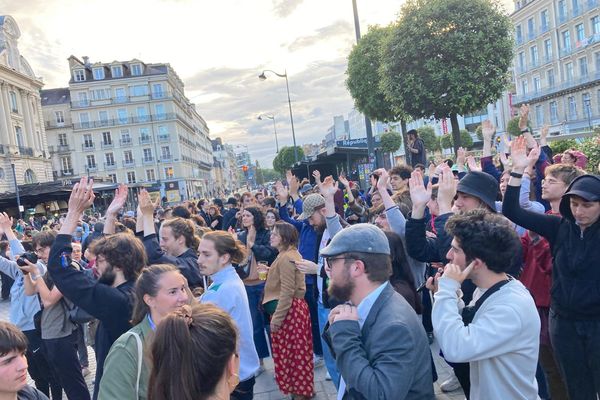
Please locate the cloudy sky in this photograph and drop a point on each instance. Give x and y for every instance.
(218, 48)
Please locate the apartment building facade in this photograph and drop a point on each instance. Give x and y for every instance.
(557, 63)
(128, 122)
(22, 136)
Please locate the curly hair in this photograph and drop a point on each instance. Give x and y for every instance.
(259, 217)
(183, 227)
(487, 236)
(123, 251)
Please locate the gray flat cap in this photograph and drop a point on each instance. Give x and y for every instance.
(359, 238)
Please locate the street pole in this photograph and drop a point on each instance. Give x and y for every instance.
(287, 86)
(12, 166)
(370, 141)
(275, 130)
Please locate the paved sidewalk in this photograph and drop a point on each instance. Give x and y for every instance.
(266, 388)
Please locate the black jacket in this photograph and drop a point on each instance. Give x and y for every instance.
(426, 249)
(575, 292)
(187, 262)
(112, 306)
(262, 249)
(229, 219)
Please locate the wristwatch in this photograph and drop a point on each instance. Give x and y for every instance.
(516, 175)
(525, 130)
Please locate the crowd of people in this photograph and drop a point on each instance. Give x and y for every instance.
(492, 258)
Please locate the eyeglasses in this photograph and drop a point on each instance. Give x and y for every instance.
(330, 260)
(551, 181)
(39, 250)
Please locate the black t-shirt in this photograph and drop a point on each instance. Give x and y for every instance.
(30, 393)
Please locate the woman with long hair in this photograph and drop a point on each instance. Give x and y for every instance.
(257, 240)
(195, 356)
(402, 278)
(216, 253)
(159, 290)
(216, 218)
(271, 217)
(291, 332)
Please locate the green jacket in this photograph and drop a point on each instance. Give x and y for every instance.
(121, 366)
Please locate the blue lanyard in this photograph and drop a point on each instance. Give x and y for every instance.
(152, 325)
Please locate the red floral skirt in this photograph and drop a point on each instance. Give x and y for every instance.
(293, 351)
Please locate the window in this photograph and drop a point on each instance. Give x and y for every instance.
(103, 117)
(120, 96)
(524, 87)
(587, 105)
(79, 75)
(550, 77)
(539, 115)
(569, 71)
(59, 117)
(106, 138)
(139, 90)
(596, 24)
(136, 69)
(147, 154)
(548, 49)
(572, 108)
(19, 135)
(113, 178)
(62, 139)
(580, 32)
(144, 135)
(576, 9)
(583, 68)
(14, 106)
(553, 112)
(544, 19)
(566, 38)
(128, 157)
(598, 100)
(117, 71)
(159, 110)
(533, 51)
(84, 120)
(83, 99)
(30, 176)
(66, 166)
(125, 137)
(98, 73)
(142, 114)
(87, 141)
(537, 84)
(597, 56)
(165, 152)
(110, 159)
(100, 94)
(131, 177)
(522, 61)
(562, 11)
(157, 91)
(122, 115)
(150, 175)
(531, 28)
(519, 34)
(169, 172)
(91, 161)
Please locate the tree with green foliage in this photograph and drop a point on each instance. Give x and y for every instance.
(559, 146)
(447, 141)
(391, 142)
(513, 127)
(591, 148)
(432, 142)
(447, 57)
(364, 79)
(285, 158)
(260, 179)
(270, 175)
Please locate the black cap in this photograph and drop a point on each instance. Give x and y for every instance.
(480, 185)
(585, 186)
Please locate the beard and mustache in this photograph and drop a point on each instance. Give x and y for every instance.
(343, 290)
(108, 276)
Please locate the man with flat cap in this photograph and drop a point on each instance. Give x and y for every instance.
(380, 346)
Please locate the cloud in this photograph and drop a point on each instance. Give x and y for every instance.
(284, 8)
(338, 28)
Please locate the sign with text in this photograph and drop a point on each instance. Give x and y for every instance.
(356, 143)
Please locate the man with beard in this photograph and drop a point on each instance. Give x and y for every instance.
(380, 346)
(119, 260)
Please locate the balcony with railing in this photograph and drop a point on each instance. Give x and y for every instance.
(61, 148)
(125, 142)
(166, 95)
(91, 168)
(108, 144)
(163, 137)
(129, 163)
(88, 146)
(145, 139)
(66, 172)
(571, 84)
(26, 151)
(125, 121)
(111, 165)
(148, 160)
(166, 157)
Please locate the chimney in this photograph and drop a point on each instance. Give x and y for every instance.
(86, 61)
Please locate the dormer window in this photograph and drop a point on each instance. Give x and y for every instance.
(136, 69)
(98, 73)
(117, 71)
(79, 75)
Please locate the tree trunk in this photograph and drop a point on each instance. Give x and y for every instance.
(405, 142)
(455, 132)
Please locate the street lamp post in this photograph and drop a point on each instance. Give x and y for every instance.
(370, 141)
(12, 166)
(262, 77)
(272, 117)
(588, 107)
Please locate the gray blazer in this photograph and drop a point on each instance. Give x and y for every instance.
(389, 359)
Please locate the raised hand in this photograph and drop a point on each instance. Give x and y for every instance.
(328, 187)
(505, 161)
(419, 194)
(82, 196)
(344, 181)
(533, 156)
(488, 129)
(518, 153)
(432, 169)
(294, 185)
(317, 175)
(523, 116)
(473, 166)
(384, 178)
(454, 272)
(282, 192)
(118, 201)
(6, 222)
(461, 154)
(146, 206)
(446, 190)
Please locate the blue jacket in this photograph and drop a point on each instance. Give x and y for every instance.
(307, 241)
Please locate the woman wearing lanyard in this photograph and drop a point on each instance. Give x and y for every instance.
(159, 290)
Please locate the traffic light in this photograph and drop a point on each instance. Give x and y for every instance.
(245, 168)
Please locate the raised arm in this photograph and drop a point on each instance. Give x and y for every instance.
(113, 209)
(332, 219)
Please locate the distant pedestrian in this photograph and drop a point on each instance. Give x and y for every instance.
(416, 146)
